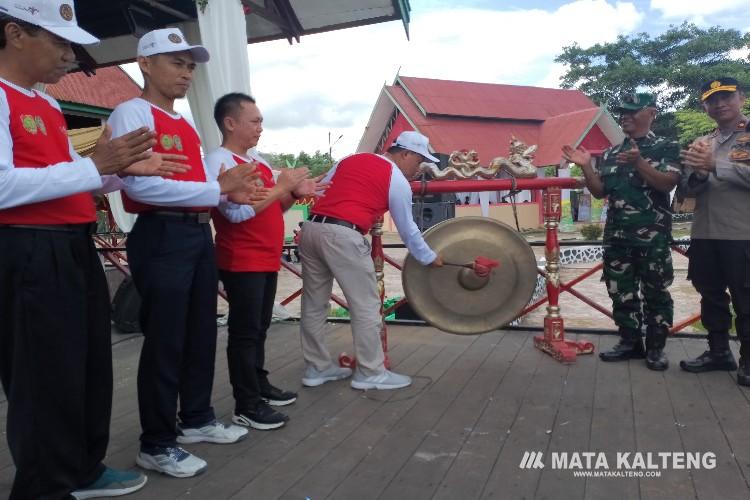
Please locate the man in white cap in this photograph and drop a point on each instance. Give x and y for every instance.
(55, 347)
(171, 256)
(333, 245)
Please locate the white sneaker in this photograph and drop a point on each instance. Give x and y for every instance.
(314, 378)
(215, 432)
(173, 461)
(385, 380)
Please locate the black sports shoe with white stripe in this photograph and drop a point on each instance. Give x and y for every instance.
(277, 397)
(262, 417)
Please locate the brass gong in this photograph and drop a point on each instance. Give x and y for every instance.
(455, 299)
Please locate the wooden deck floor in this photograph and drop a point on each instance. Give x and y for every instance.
(477, 404)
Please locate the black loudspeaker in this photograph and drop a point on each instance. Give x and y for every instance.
(126, 307)
(428, 213)
(404, 311)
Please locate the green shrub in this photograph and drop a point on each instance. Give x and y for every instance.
(591, 232)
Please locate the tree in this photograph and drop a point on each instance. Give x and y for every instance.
(318, 162)
(673, 65)
(692, 124)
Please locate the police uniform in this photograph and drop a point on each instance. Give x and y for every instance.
(637, 237)
(720, 243)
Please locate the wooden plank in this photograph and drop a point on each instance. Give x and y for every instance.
(529, 431)
(331, 399)
(612, 424)
(421, 476)
(126, 429)
(474, 463)
(225, 471)
(276, 479)
(703, 405)
(572, 427)
(320, 480)
(655, 430)
(372, 475)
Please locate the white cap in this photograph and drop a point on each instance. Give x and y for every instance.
(414, 141)
(55, 16)
(168, 40)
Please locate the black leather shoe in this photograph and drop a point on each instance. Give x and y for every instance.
(624, 350)
(743, 373)
(710, 361)
(656, 360)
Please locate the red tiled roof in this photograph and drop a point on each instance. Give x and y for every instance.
(108, 88)
(490, 138)
(489, 100)
(561, 130)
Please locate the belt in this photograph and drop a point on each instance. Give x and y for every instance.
(195, 217)
(86, 228)
(325, 219)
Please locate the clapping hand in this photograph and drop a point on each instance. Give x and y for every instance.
(158, 164)
(631, 156)
(238, 182)
(311, 187)
(580, 156)
(110, 156)
(699, 156)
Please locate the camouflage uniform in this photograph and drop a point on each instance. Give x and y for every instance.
(637, 237)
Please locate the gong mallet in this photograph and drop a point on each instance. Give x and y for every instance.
(482, 266)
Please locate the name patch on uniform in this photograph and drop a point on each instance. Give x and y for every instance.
(741, 149)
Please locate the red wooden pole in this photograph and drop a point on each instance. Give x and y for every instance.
(553, 342)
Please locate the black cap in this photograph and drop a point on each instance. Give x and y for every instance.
(723, 84)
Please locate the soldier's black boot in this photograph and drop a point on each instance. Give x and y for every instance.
(743, 373)
(656, 339)
(630, 346)
(718, 356)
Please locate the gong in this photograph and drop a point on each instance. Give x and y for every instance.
(456, 299)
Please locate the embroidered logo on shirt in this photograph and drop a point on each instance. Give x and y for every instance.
(40, 125)
(29, 123)
(166, 142)
(33, 124)
(66, 12)
(177, 142)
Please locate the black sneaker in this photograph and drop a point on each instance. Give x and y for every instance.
(262, 417)
(277, 397)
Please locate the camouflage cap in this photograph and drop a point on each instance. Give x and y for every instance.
(636, 102)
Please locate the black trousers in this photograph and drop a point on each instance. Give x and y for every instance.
(714, 267)
(55, 360)
(174, 270)
(251, 297)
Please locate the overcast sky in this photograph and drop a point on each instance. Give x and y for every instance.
(330, 82)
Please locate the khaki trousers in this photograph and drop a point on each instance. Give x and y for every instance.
(330, 251)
